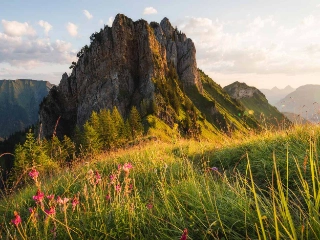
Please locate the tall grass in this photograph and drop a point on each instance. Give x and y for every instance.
(265, 187)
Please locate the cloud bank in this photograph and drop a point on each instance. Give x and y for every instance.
(255, 45)
(149, 11)
(87, 14)
(72, 29)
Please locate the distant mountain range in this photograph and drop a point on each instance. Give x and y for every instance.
(304, 102)
(275, 94)
(19, 103)
(296, 118)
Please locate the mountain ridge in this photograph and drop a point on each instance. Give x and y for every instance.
(275, 94)
(256, 103)
(304, 102)
(134, 63)
(19, 103)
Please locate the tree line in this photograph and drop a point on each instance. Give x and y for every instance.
(105, 130)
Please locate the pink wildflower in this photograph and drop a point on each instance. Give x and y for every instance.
(17, 219)
(126, 167)
(149, 205)
(51, 211)
(98, 177)
(112, 178)
(31, 210)
(108, 197)
(119, 167)
(61, 201)
(118, 188)
(184, 234)
(50, 197)
(34, 174)
(75, 202)
(39, 197)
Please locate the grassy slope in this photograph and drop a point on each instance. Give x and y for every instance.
(262, 110)
(173, 189)
(260, 105)
(218, 108)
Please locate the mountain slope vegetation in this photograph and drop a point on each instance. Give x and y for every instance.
(19, 104)
(256, 104)
(138, 143)
(234, 189)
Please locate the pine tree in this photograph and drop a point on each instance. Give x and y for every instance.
(55, 149)
(118, 122)
(69, 148)
(91, 140)
(94, 121)
(127, 131)
(31, 154)
(135, 123)
(107, 129)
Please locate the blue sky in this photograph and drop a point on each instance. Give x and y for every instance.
(263, 43)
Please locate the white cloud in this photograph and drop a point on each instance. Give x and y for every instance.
(46, 71)
(17, 29)
(87, 14)
(260, 46)
(29, 53)
(149, 10)
(309, 20)
(62, 46)
(259, 23)
(72, 29)
(110, 21)
(46, 26)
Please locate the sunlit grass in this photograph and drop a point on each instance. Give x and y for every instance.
(266, 187)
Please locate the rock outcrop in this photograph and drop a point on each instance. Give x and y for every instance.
(180, 52)
(239, 90)
(119, 69)
(256, 104)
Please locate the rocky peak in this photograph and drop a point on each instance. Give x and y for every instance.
(180, 51)
(117, 69)
(239, 90)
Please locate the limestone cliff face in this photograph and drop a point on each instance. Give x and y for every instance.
(119, 69)
(180, 52)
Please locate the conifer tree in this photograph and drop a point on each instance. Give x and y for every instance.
(127, 131)
(135, 123)
(91, 140)
(31, 154)
(55, 149)
(118, 122)
(107, 129)
(69, 148)
(94, 121)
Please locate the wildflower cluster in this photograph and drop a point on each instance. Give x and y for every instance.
(120, 184)
(49, 207)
